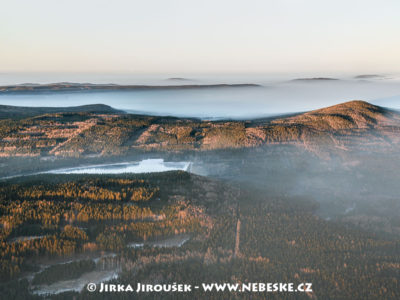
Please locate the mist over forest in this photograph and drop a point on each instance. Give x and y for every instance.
(277, 181)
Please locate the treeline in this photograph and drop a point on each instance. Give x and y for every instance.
(93, 189)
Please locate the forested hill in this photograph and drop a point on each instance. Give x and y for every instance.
(345, 116)
(18, 112)
(339, 127)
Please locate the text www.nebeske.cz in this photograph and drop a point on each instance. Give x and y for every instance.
(205, 287)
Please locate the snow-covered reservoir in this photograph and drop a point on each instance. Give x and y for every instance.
(144, 166)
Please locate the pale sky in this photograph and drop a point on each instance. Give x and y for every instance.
(152, 36)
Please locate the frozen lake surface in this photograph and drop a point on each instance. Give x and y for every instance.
(144, 166)
(174, 241)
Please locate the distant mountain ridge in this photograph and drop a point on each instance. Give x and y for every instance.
(315, 79)
(74, 87)
(368, 76)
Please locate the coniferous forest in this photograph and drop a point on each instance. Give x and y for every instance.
(70, 230)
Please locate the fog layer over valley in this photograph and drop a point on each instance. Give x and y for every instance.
(269, 95)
